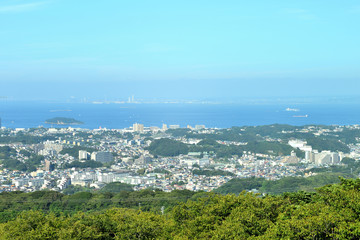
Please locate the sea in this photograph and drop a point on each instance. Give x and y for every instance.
(17, 114)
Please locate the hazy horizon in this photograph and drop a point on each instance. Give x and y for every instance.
(196, 50)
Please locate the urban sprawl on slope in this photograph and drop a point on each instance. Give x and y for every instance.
(167, 158)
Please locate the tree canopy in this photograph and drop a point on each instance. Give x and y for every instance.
(167, 147)
(332, 212)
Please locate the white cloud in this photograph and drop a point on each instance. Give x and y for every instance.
(21, 7)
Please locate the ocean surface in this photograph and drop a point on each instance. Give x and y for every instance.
(116, 116)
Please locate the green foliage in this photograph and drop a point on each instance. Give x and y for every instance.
(179, 132)
(208, 142)
(294, 184)
(235, 134)
(327, 144)
(237, 185)
(25, 153)
(111, 224)
(180, 183)
(63, 121)
(167, 147)
(14, 164)
(116, 187)
(25, 139)
(6, 152)
(74, 150)
(348, 136)
(332, 212)
(223, 151)
(35, 160)
(349, 161)
(268, 147)
(255, 137)
(351, 168)
(160, 170)
(287, 184)
(141, 171)
(75, 188)
(29, 165)
(85, 199)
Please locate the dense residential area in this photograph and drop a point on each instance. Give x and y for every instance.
(172, 158)
(265, 182)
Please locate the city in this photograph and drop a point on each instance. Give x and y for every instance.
(167, 158)
(179, 119)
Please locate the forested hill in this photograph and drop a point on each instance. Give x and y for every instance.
(333, 212)
(269, 139)
(287, 184)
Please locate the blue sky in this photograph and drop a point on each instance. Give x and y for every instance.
(58, 49)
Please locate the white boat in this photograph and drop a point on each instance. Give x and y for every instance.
(292, 110)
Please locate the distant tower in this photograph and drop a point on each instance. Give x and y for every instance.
(132, 99)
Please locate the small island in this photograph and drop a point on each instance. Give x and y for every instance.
(63, 121)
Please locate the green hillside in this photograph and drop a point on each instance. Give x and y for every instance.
(332, 212)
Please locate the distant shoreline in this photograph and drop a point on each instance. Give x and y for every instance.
(116, 116)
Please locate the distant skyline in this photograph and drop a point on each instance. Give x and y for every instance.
(62, 49)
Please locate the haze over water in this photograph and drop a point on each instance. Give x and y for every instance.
(115, 116)
(59, 50)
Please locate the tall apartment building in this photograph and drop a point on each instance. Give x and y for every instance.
(324, 157)
(198, 127)
(102, 157)
(83, 155)
(49, 166)
(137, 127)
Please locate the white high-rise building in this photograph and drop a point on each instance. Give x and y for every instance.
(308, 156)
(326, 157)
(198, 127)
(137, 127)
(102, 157)
(83, 155)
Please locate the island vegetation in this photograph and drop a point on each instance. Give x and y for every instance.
(63, 121)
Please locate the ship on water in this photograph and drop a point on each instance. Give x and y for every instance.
(301, 116)
(292, 110)
(61, 110)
